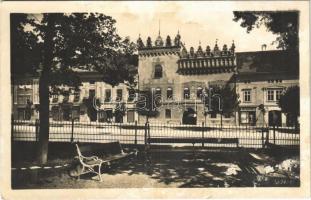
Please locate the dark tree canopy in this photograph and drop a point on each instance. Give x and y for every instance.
(148, 104)
(228, 99)
(283, 23)
(289, 102)
(81, 41)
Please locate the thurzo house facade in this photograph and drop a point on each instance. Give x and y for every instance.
(180, 77)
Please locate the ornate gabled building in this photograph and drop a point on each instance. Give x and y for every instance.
(180, 77)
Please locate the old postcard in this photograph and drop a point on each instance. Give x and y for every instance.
(155, 99)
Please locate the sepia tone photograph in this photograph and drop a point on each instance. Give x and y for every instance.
(155, 95)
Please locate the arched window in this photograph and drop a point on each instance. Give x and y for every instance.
(158, 71)
(186, 93)
(169, 93)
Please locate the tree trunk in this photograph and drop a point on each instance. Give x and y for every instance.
(44, 92)
(296, 122)
(44, 120)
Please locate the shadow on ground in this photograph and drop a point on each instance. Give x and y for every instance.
(169, 169)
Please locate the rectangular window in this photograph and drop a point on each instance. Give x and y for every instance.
(278, 94)
(119, 94)
(107, 95)
(247, 95)
(66, 98)
(158, 92)
(22, 99)
(76, 96)
(131, 96)
(270, 95)
(186, 93)
(169, 93)
(55, 98)
(91, 93)
(158, 71)
(199, 93)
(168, 113)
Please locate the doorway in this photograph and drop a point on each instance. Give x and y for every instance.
(189, 116)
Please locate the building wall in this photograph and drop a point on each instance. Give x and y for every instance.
(168, 59)
(259, 92)
(28, 88)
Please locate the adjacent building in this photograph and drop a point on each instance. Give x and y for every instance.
(262, 77)
(76, 104)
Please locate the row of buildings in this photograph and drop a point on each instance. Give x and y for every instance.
(179, 76)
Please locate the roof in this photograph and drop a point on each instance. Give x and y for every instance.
(275, 61)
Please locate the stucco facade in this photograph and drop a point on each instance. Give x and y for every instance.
(182, 71)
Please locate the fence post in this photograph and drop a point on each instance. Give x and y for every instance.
(37, 129)
(148, 128)
(263, 137)
(202, 134)
(12, 129)
(135, 133)
(72, 125)
(273, 133)
(145, 137)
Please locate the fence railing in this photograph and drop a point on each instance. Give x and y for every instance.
(134, 133)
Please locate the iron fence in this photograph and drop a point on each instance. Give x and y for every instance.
(135, 133)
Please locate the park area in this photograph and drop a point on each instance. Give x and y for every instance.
(245, 168)
(265, 157)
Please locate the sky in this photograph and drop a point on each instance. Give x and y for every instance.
(198, 22)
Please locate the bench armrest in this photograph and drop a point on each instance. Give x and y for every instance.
(90, 158)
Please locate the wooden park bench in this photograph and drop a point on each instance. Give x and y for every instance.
(191, 140)
(93, 156)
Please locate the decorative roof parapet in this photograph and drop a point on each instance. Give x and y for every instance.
(159, 48)
(158, 51)
(208, 53)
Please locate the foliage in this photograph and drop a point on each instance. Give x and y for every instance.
(289, 102)
(54, 46)
(283, 23)
(120, 109)
(25, 50)
(148, 104)
(81, 42)
(91, 103)
(228, 99)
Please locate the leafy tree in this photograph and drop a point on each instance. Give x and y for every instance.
(91, 103)
(120, 110)
(289, 103)
(221, 100)
(54, 46)
(148, 104)
(283, 23)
